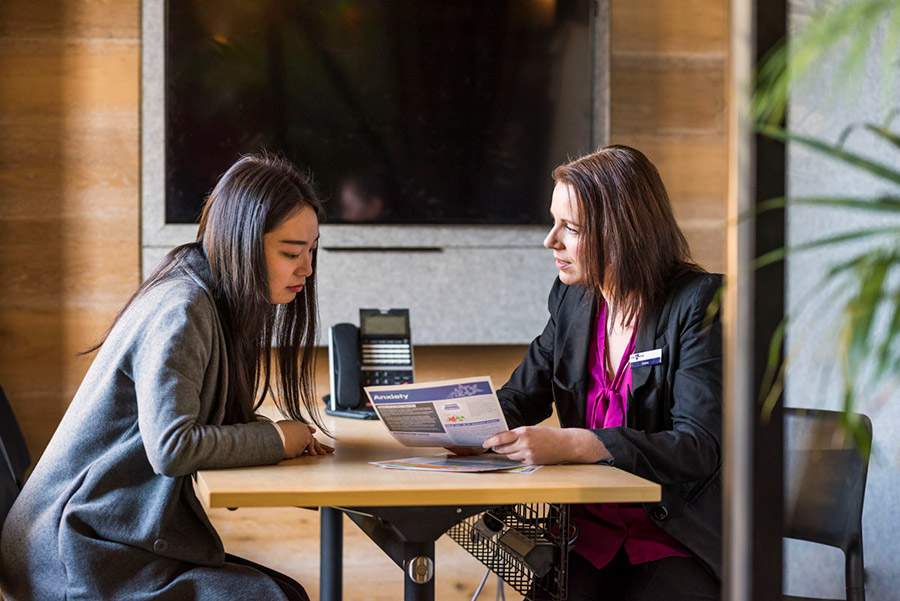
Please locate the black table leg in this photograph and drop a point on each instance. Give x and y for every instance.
(418, 562)
(331, 528)
(406, 535)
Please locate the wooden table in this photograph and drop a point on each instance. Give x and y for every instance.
(406, 510)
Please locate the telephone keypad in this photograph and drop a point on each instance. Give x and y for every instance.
(384, 377)
(386, 361)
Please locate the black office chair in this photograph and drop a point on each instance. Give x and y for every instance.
(14, 458)
(825, 483)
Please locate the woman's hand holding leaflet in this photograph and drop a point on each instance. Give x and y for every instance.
(466, 451)
(542, 445)
(298, 438)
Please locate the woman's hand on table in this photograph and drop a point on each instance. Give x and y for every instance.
(299, 439)
(317, 447)
(542, 445)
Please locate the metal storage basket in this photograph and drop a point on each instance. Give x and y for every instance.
(526, 545)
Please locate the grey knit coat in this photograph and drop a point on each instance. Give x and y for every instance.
(110, 511)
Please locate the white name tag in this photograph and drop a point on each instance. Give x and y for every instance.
(653, 357)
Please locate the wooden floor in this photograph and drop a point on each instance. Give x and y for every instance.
(287, 540)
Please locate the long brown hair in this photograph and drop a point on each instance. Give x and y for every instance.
(631, 245)
(255, 195)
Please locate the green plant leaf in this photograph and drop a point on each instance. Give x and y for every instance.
(878, 169)
(889, 54)
(715, 305)
(884, 355)
(850, 264)
(847, 28)
(853, 425)
(884, 133)
(887, 204)
(776, 368)
(861, 309)
(780, 253)
(860, 342)
(852, 24)
(773, 378)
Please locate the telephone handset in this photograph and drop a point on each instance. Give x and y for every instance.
(378, 352)
(343, 363)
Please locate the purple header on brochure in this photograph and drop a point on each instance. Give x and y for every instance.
(435, 393)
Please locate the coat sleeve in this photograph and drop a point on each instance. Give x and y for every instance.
(691, 450)
(527, 398)
(170, 372)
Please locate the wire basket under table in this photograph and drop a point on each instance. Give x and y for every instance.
(526, 545)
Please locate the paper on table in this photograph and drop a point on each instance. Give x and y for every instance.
(449, 463)
(448, 413)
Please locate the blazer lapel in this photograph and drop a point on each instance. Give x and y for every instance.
(572, 368)
(645, 341)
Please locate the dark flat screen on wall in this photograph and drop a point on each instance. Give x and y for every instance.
(404, 111)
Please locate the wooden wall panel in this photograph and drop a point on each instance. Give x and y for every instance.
(69, 76)
(692, 167)
(670, 26)
(81, 19)
(669, 78)
(69, 246)
(667, 95)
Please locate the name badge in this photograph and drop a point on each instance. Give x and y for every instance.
(653, 357)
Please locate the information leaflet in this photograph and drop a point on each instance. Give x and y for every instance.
(448, 413)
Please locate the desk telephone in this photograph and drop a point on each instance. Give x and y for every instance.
(378, 352)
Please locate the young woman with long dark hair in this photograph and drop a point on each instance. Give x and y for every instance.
(109, 512)
(632, 359)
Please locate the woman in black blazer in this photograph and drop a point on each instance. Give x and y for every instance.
(628, 304)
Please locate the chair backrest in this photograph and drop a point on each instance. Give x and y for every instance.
(825, 483)
(9, 490)
(14, 458)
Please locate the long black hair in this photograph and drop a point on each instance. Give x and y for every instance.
(257, 194)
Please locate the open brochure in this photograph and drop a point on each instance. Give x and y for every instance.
(448, 413)
(451, 463)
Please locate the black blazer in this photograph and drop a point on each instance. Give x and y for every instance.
(673, 420)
